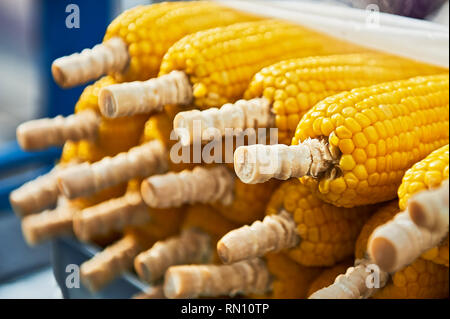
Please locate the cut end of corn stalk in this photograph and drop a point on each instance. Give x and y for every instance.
(110, 216)
(400, 241)
(201, 126)
(149, 96)
(43, 133)
(201, 185)
(90, 64)
(191, 247)
(246, 277)
(430, 209)
(140, 161)
(272, 234)
(49, 224)
(259, 163)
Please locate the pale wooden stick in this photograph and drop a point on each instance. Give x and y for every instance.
(273, 233)
(36, 195)
(400, 241)
(196, 125)
(430, 209)
(110, 263)
(48, 224)
(191, 247)
(154, 292)
(245, 277)
(43, 133)
(110, 216)
(90, 64)
(259, 163)
(201, 185)
(142, 97)
(140, 161)
(353, 284)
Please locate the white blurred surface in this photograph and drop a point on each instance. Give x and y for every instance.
(36, 285)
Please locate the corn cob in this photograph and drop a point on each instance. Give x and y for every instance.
(353, 148)
(279, 95)
(275, 277)
(422, 279)
(118, 257)
(401, 241)
(201, 228)
(313, 233)
(216, 186)
(135, 42)
(215, 66)
(327, 276)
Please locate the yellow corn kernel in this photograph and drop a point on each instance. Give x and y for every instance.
(222, 61)
(328, 233)
(389, 145)
(149, 31)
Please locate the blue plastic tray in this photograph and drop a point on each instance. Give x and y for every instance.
(67, 251)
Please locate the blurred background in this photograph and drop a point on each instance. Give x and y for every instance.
(32, 35)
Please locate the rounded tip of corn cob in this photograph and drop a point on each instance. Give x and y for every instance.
(383, 252)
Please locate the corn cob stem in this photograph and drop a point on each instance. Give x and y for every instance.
(246, 277)
(241, 115)
(154, 292)
(351, 285)
(37, 228)
(191, 247)
(273, 233)
(145, 97)
(140, 161)
(43, 133)
(36, 195)
(400, 241)
(108, 264)
(259, 163)
(201, 185)
(90, 64)
(112, 215)
(431, 209)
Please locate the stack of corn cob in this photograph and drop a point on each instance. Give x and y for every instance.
(354, 135)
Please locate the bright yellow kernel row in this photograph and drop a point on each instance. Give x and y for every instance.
(422, 279)
(221, 62)
(149, 31)
(381, 131)
(294, 86)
